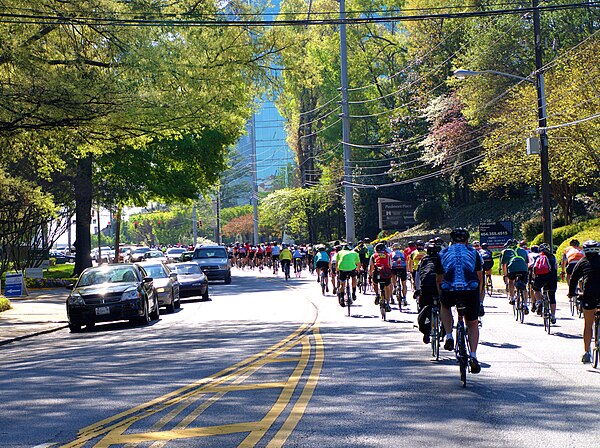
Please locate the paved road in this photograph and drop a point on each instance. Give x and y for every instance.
(270, 364)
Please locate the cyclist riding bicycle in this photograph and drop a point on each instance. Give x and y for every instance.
(380, 270)
(285, 257)
(587, 270)
(413, 264)
(571, 255)
(399, 270)
(275, 252)
(431, 274)
(545, 275)
(333, 266)
(514, 267)
(462, 283)
(297, 257)
(321, 263)
(348, 265)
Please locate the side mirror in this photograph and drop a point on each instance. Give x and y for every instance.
(148, 279)
(70, 286)
(173, 275)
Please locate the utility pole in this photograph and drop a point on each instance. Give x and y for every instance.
(254, 177)
(346, 127)
(544, 154)
(195, 224)
(218, 215)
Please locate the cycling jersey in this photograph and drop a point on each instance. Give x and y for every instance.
(285, 254)
(514, 259)
(573, 254)
(321, 256)
(416, 256)
(587, 269)
(297, 254)
(398, 260)
(347, 260)
(275, 250)
(461, 264)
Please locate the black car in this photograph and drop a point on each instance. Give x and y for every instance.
(192, 281)
(112, 292)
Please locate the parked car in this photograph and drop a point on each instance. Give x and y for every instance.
(124, 253)
(192, 281)
(214, 262)
(137, 254)
(186, 256)
(165, 284)
(109, 293)
(155, 255)
(105, 255)
(174, 253)
(61, 257)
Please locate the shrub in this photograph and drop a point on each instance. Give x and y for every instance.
(52, 261)
(561, 234)
(48, 282)
(430, 212)
(531, 228)
(592, 233)
(4, 304)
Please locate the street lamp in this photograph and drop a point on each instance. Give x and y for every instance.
(545, 170)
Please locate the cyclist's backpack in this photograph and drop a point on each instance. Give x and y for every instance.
(541, 266)
(516, 261)
(382, 263)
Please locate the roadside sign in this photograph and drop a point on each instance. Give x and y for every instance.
(14, 284)
(495, 234)
(396, 215)
(34, 272)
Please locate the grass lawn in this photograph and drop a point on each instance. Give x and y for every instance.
(4, 304)
(59, 271)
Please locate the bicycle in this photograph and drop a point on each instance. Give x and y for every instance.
(383, 305)
(286, 271)
(435, 333)
(462, 350)
(520, 301)
(276, 266)
(546, 314)
(596, 340)
(297, 267)
(489, 286)
(323, 280)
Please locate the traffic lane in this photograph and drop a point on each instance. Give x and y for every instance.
(57, 384)
(379, 386)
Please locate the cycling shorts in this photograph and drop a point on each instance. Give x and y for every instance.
(570, 267)
(470, 300)
(323, 265)
(514, 275)
(487, 265)
(275, 257)
(333, 269)
(345, 275)
(251, 256)
(377, 279)
(400, 272)
(259, 256)
(548, 282)
(590, 303)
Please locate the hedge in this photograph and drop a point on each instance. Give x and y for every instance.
(48, 282)
(4, 304)
(561, 234)
(588, 234)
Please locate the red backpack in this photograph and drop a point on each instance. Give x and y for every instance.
(541, 266)
(382, 264)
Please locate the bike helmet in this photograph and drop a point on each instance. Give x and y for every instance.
(544, 247)
(476, 244)
(432, 248)
(411, 243)
(396, 246)
(420, 245)
(535, 249)
(574, 243)
(484, 245)
(367, 240)
(380, 247)
(591, 247)
(459, 235)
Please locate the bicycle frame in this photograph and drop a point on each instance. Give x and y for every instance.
(462, 350)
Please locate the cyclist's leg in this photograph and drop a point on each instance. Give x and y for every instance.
(447, 302)
(354, 278)
(589, 316)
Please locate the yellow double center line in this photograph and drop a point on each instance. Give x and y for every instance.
(117, 430)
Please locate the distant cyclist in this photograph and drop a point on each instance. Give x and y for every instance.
(275, 252)
(571, 255)
(431, 274)
(587, 270)
(333, 266)
(462, 283)
(380, 270)
(399, 270)
(348, 265)
(321, 263)
(545, 276)
(285, 257)
(514, 267)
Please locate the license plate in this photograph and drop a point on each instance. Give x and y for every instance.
(102, 310)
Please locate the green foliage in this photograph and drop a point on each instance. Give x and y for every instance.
(591, 233)
(564, 233)
(431, 212)
(531, 228)
(229, 213)
(4, 304)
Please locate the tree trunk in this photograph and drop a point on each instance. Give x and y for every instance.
(117, 233)
(83, 214)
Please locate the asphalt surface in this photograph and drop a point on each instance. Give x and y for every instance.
(270, 363)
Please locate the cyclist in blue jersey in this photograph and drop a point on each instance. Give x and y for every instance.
(399, 270)
(462, 283)
(321, 263)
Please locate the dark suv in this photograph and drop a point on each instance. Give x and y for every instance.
(214, 262)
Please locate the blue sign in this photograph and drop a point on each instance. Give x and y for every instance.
(14, 285)
(495, 234)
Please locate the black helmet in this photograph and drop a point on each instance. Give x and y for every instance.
(367, 240)
(411, 243)
(380, 247)
(432, 248)
(574, 243)
(459, 235)
(535, 249)
(484, 245)
(544, 247)
(591, 247)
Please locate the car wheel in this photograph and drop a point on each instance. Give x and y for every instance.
(90, 325)
(74, 328)
(228, 279)
(171, 305)
(155, 314)
(145, 319)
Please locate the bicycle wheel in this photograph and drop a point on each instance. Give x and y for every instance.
(516, 308)
(461, 354)
(435, 335)
(596, 350)
(547, 316)
(348, 296)
(572, 305)
(382, 302)
(323, 284)
(489, 287)
(521, 305)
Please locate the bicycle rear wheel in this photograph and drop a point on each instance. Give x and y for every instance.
(348, 296)
(489, 287)
(435, 335)
(521, 305)
(323, 284)
(572, 305)
(461, 354)
(547, 316)
(596, 340)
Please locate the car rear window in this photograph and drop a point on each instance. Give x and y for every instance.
(204, 252)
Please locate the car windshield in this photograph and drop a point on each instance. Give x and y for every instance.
(176, 250)
(156, 271)
(142, 250)
(187, 269)
(205, 252)
(107, 275)
(154, 254)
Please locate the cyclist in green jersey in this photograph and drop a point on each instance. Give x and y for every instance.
(348, 265)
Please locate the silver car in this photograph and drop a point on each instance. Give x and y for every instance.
(214, 262)
(165, 284)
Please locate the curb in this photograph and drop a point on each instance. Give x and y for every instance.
(31, 335)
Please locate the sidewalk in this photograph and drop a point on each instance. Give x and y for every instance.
(43, 311)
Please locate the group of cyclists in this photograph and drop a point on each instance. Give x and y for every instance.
(454, 272)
